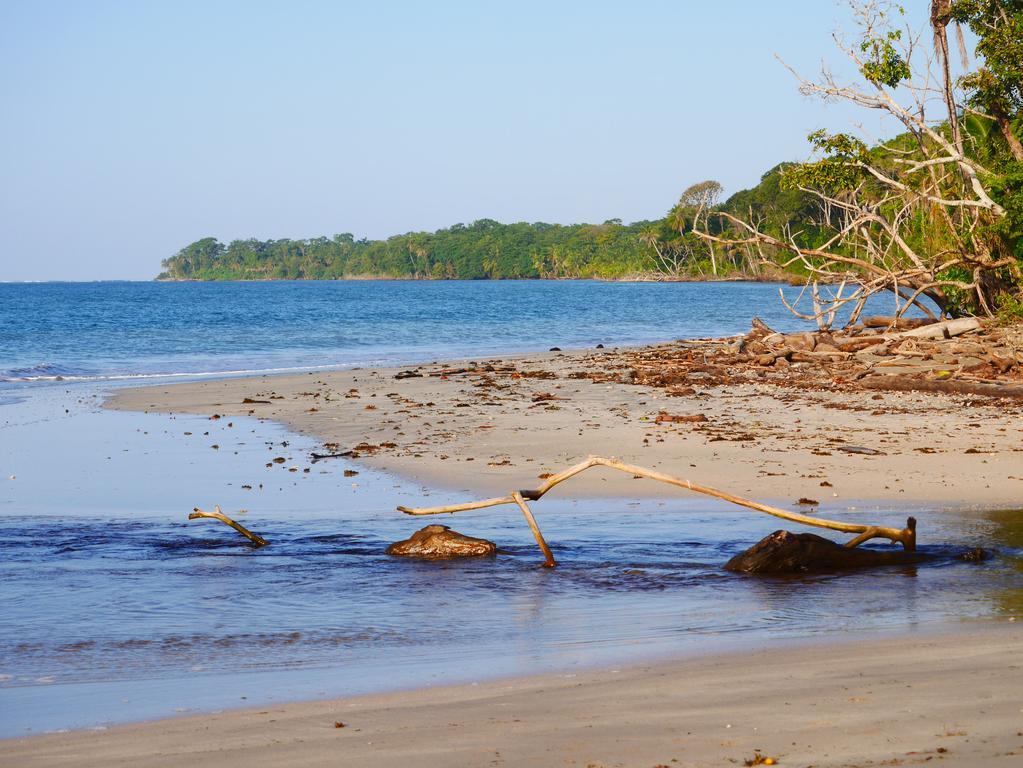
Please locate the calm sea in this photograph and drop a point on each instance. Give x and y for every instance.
(114, 607)
(123, 329)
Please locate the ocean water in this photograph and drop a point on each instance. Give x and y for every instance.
(115, 330)
(115, 607)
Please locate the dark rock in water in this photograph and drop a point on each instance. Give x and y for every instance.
(438, 542)
(977, 555)
(784, 552)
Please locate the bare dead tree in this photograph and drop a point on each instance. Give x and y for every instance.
(693, 203)
(671, 257)
(912, 216)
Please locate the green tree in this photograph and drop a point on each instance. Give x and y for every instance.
(933, 213)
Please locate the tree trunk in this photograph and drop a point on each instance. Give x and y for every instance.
(1015, 147)
(940, 18)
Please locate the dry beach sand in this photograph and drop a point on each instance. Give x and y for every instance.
(501, 424)
(952, 698)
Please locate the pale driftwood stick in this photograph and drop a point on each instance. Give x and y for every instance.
(905, 536)
(865, 536)
(952, 386)
(461, 507)
(942, 330)
(549, 557)
(259, 541)
(902, 535)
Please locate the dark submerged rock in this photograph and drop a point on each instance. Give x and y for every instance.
(438, 542)
(976, 555)
(784, 552)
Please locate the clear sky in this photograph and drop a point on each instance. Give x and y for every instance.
(129, 129)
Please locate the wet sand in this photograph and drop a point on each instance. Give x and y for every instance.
(506, 422)
(905, 701)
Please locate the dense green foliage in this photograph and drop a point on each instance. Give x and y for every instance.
(484, 249)
(995, 89)
(935, 214)
(997, 86)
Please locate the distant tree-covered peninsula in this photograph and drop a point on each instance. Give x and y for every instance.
(483, 249)
(487, 249)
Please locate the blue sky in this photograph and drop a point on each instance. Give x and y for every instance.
(129, 129)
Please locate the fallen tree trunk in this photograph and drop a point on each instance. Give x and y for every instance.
(943, 330)
(898, 323)
(784, 552)
(945, 386)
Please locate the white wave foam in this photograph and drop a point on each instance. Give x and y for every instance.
(174, 374)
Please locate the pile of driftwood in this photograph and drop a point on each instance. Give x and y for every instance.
(886, 353)
(961, 356)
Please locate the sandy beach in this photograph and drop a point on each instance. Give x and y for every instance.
(884, 701)
(489, 426)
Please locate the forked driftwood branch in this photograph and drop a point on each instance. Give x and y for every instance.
(259, 541)
(905, 536)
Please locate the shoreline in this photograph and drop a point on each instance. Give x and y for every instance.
(636, 713)
(775, 280)
(908, 698)
(497, 423)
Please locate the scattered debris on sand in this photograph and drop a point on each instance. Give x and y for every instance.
(962, 356)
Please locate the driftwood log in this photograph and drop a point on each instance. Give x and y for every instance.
(898, 323)
(257, 540)
(905, 536)
(784, 552)
(946, 386)
(438, 542)
(943, 330)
